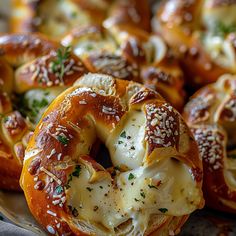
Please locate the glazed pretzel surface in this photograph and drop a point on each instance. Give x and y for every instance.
(127, 52)
(31, 78)
(211, 115)
(56, 18)
(203, 36)
(152, 183)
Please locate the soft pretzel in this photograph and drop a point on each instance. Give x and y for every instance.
(98, 50)
(134, 13)
(129, 53)
(32, 75)
(57, 18)
(211, 115)
(203, 36)
(153, 182)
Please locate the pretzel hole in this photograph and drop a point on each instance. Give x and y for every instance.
(100, 153)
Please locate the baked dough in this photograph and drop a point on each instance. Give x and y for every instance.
(154, 178)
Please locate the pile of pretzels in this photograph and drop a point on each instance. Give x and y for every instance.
(118, 117)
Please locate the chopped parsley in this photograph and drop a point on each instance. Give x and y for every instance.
(75, 173)
(117, 168)
(6, 119)
(222, 29)
(62, 139)
(31, 108)
(74, 14)
(59, 189)
(39, 104)
(131, 176)
(58, 65)
(46, 93)
(77, 170)
(163, 210)
(123, 134)
(89, 47)
(136, 200)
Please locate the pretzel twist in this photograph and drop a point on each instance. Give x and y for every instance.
(154, 180)
(129, 53)
(57, 18)
(28, 85)
(211, 115)
(202, 34)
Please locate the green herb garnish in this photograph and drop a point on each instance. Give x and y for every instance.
(222, 29)
(74, 14)
(58, 65)
(75, 173)
(123, 134)
(77, 170)
(131, 176)
(62, 139)
(163, 210)
(6, 119)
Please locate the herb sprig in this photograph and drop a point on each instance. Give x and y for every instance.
(58, 65)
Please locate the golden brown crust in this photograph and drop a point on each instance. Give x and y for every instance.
(127, 52)
(211, 117)
(192, 29)
(28, 63)
(98, 102)
(159, 68)
(18, 49)
(40, 74)
(57, 18)
(132, 12)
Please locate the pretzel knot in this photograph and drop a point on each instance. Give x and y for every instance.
(149, 182)
(203, 34)
(211, 114)
(31, 78)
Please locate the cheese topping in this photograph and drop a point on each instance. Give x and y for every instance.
(221, 51)
(35, 102)
(137, 191)
(163, 188)
(58, 17)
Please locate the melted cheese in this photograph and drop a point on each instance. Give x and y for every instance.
(58, 17)
(163, 187)
(221, 51)
(91, 46)
(126, 145)
(37, 100)
(108, 205)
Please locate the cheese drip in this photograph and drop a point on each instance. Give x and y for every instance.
(164, 187)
